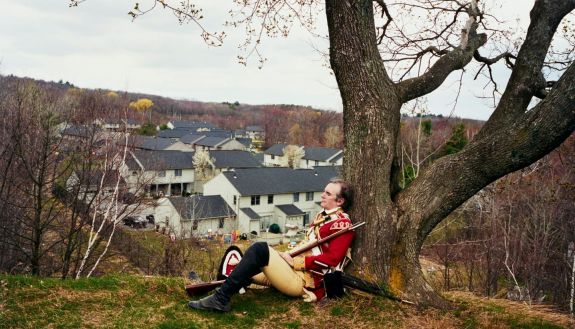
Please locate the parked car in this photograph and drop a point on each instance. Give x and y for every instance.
(135, 221)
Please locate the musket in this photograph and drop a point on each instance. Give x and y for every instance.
(203, 288)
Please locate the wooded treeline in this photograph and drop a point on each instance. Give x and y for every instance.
(516, 237)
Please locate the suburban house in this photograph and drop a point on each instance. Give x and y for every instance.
(195, 216)
(224, 160)
(157, 144)
(80, 132)
(218, 143)
(118, 124)
(191, 125)
(173, 133)
(248, 143)
(313, 157)
(88, 183)
(321, 156)
(165, 172)
(267, 195)
(205, 142)
(255, 132)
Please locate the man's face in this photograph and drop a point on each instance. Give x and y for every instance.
(329, 197)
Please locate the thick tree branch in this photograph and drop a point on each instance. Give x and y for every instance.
(484, 160)
(526, 79)
(436, 75)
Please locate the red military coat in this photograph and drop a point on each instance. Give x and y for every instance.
(329, 254)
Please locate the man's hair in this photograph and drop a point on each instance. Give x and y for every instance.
(346, 192)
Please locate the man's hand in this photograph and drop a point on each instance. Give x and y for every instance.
(287, 258)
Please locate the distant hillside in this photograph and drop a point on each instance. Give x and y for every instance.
(283, 123)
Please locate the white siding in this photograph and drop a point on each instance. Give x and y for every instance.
(166, 215)
(277, 161)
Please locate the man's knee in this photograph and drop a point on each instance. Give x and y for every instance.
(259, 252)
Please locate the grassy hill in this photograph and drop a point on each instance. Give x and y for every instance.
(155, 302)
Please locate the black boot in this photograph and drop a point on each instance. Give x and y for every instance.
(255, 257)
(216, 302)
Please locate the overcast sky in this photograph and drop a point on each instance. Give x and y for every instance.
(96, 45)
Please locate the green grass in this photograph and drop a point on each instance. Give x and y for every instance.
(516, 322)
(123, 301)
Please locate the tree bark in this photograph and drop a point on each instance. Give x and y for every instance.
(371, 124)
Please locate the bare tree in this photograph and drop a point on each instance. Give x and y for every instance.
(292, 155)
(203, 165)
(27, 200)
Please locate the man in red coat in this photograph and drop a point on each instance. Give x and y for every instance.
(299, 276)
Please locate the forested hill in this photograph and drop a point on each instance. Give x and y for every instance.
(284, 123)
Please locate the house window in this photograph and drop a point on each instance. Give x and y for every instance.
(221, 225)
(162, 173)
(178, 172)
(134, 173)
(195, 224)
(235, 199)
(308, 196)
(296, 197)
(273, 156)
(316, 163)
(255, 200)
(270, 199)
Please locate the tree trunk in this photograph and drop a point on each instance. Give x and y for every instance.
(383, 251)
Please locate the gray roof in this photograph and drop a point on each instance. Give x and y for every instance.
(202, 207)
(94, 177)
(80, 131)
(319, 153)
(191, 138)
(174, 133)
(290, 209)
(337, 157)
(161, 160)
(255, 128)
(276, 180)
(193, 125)
(210, 141)
(218, 133)
(131, 121)
(259, 157)
(311, 153)
(250, 213)
(247, 142)
(234, 159)
(276, 149)
(151, 143)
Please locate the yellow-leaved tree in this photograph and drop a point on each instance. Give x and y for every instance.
(142, 105)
